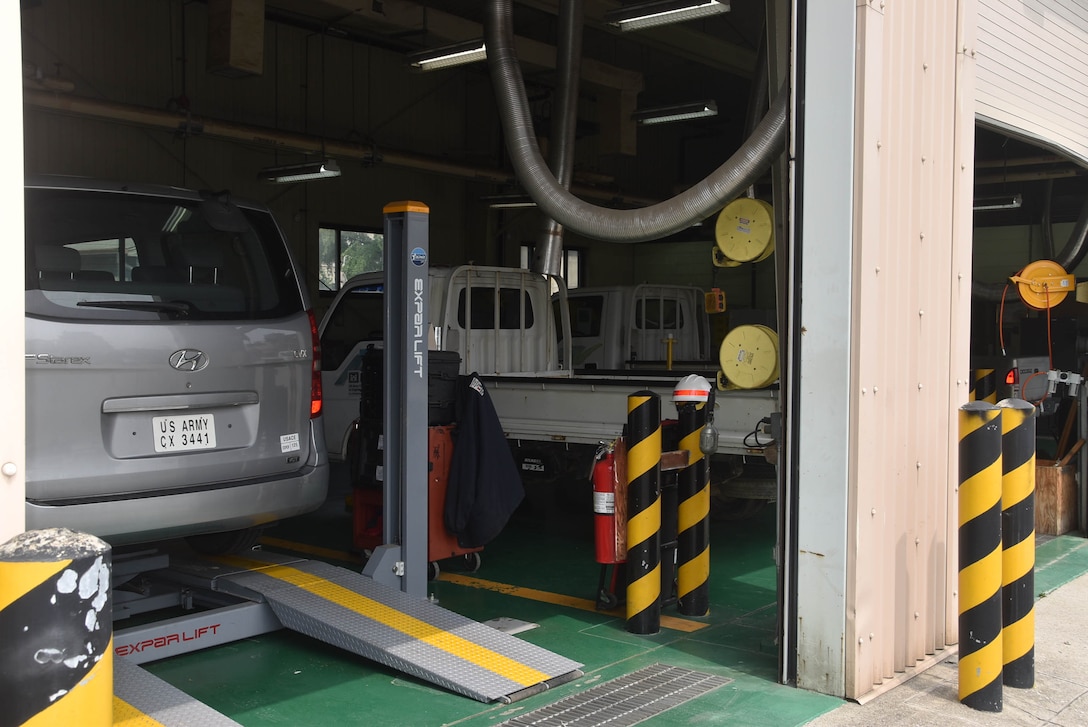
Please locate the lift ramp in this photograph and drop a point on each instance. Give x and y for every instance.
(141, 699)
(412, 635)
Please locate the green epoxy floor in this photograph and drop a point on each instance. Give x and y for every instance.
(288, 679)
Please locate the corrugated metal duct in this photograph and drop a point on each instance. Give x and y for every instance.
(638, 225)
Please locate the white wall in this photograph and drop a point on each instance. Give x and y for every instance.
(880, 338)
(12, 414)
(1032, 76)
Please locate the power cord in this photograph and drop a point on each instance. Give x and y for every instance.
(752, 440)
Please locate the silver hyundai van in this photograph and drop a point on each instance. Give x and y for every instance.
(173, 372)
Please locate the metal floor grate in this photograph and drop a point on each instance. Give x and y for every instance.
(624, 701)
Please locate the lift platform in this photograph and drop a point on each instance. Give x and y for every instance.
(140, 698)
(262, 592)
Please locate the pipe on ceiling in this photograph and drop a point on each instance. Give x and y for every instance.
(635, 225)
(564, 128)
(263, 137)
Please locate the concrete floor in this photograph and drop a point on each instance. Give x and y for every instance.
(1060, 694)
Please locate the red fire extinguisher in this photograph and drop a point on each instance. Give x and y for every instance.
(604, 505)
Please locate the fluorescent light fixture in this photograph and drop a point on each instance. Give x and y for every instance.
(457, 54)
(662, 12)
(320, 169)
(509, 201)
(677, 112)
(1004, 202)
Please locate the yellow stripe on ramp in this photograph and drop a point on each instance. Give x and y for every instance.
(420, 630)
(125, 715)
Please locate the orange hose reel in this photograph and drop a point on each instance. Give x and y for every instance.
(1043, 284)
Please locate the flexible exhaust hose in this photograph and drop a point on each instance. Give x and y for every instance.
(637, 225)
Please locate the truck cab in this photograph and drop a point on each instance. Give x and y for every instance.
(624, 327)
(498, 320)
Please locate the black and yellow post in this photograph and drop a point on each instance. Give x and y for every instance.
(643, 513)
(693, 491)
(1018, 543)
(983, 386)
(56, 627)
(980, 556)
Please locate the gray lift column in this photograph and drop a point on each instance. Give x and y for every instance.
(401, 562)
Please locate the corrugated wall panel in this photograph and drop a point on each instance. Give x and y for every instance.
(1032, 75)
(870, 586)
(905, 354)
(960, 290)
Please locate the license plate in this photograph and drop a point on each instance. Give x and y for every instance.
(183, 433)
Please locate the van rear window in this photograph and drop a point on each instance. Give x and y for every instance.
(124, 256)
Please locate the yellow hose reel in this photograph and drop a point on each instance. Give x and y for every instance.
(749, 358)
(744, 232)
(1043, 284)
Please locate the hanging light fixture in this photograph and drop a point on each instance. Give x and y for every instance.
(1003, 202)
(319, 169)
(447, 56)
(663, 12)
(508, 201)
(676, 112)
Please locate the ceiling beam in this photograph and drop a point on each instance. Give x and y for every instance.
(274, 139)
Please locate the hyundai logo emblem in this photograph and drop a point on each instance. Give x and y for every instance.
(189, 359)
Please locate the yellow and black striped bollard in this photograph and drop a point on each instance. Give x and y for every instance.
(980, 556)
(1018, 543)
(56, 630)
(643, 513)
(693, 494)
(983, 386)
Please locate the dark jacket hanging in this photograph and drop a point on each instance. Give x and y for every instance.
(484, 484)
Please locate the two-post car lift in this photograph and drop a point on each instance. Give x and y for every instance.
(383, 613)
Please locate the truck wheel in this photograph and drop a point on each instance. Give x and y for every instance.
(606, 600)
(433, 571)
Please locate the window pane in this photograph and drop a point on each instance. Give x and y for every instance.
(360, 252)
(99, 258)
(585, 316)
(327, 257)
(657, 314)
(571, 265)
(483, 309)
(358, 317)
(573, 273)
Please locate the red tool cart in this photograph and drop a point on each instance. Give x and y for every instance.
(441, 545)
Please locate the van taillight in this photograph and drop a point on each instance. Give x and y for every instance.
(315, 370)
(1013, 377)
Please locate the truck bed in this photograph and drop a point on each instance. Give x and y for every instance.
(591, 408)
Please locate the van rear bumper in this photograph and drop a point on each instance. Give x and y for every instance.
(164, 516)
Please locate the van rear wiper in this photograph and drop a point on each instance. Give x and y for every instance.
(178, 308)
